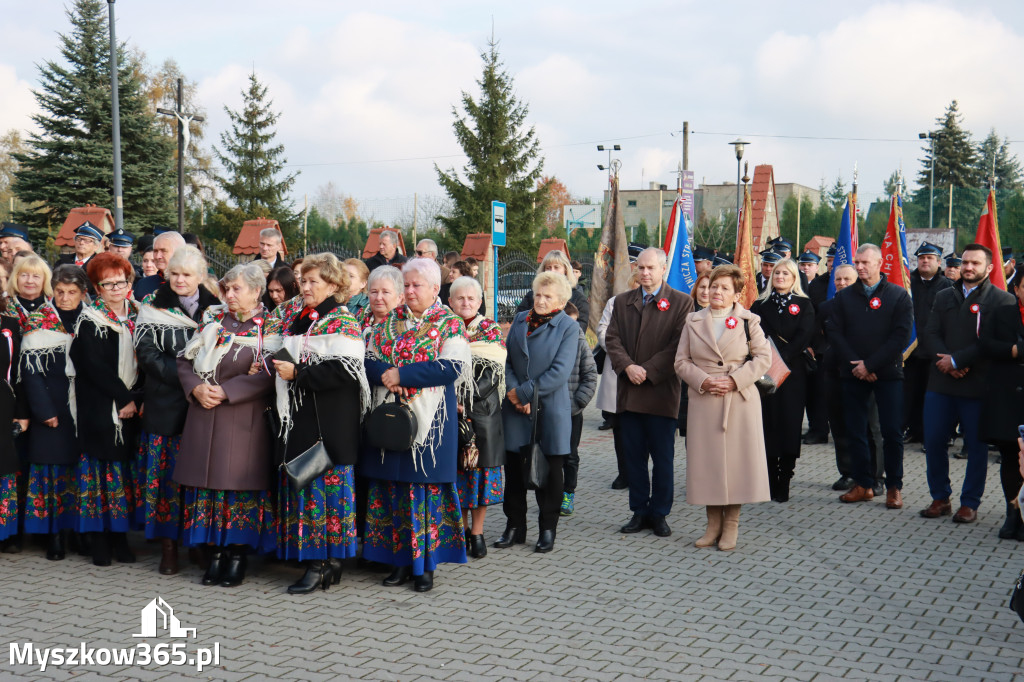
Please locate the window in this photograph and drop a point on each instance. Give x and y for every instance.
(631, 203)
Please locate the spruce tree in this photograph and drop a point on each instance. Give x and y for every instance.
(955, 157)
(70, 162)
(994, 153)
(252, 162)
(504, 162)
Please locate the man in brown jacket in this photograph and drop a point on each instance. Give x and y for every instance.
(641, 343)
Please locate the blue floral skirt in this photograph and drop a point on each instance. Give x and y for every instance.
(414, 524)
(319, 521)
(106, 495)
(50, 502)
(229, 517)
(159, 503)
(481, 487)
(8, 506)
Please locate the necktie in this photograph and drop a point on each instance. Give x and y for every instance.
(648, 298)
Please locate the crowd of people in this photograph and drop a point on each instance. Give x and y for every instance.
(230, 416)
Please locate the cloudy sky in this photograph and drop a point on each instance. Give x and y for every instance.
(365, 91)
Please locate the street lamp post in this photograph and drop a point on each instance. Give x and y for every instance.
(738, 144)
(930, 136)
(115, 116)
(611, 170)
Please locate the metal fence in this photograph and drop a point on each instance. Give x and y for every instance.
(516, 271)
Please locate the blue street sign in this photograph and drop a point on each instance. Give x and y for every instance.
(498, 223)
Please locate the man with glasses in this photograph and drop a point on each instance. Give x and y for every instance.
(388, 253)
(88, 239)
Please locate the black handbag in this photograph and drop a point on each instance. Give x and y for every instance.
(1017, 596)
(599, 355)
(535, 466)
(391, 426)
(310, 464)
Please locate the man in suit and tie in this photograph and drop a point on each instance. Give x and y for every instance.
(641, 343)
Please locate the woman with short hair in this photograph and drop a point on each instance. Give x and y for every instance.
(108, 392)
(167, 320)
(224, 459)
(385, 291)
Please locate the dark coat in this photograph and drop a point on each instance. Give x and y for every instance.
(1003, 410)
(877, 335)
(817, 291)
(646, 336)
(98, 390)
(783, 411)
(583, 380)
(228, 447)
(374, 262)
(164, 399)
(578, 299)
(12, 398)
(486, 417)
(923, 293)
(47, 395)
(147, 285)
(69, 259)
(954, 329)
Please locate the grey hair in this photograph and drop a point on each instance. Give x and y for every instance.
(70, 274)
(845, 265)
(864, 248)
(389, 272)
(175, 237)
(189, 259)
(463, 282)
(390, 235)
(430, 243)
(270, 232)
(662, 256)
(424, 267)
(250, 274)
(549, 279)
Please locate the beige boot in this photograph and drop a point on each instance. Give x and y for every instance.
(714, 527)
(730, 528)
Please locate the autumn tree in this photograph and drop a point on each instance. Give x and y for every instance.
(558, 199)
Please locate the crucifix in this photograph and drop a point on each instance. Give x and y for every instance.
(184, 137)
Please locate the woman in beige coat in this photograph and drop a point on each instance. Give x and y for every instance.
(725, 455)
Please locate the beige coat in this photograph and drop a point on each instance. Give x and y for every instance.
(725, 456)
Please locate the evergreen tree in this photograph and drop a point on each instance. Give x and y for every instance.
(504, 163)
(994, 153)
(252, 162)
(70, 162)
(956, 160)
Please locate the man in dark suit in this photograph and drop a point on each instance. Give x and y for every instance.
(817, 412)
(271, 244)
(957, 381)
(768, 260)
(388, 253)
(164, 246)
(870, 326)
(641, 343)
(1009, 267)
(88, 242)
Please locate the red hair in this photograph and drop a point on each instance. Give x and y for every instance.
(102, 265)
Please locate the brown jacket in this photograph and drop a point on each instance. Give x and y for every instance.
(725, 455)
(228, 447)
(647, 336)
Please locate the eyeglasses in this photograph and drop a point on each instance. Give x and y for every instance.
(84, 238)
(114, 286)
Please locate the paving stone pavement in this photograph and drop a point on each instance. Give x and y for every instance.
(816, 590)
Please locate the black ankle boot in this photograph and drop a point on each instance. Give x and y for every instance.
(335, 571)
(218, 563)
(782, 489)
(546, 542)
(477, 546)
(511, 536)
(55, 548)
(100, 544)
(119, 545)
(399, 576)
(1010, 525)
(235, 573)
(425, 582)
(318, 575)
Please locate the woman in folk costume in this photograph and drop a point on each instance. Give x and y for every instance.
(45, 371)
(418, 354)
(14, 408)
(224, 458)
(480, 483)
(167, 321)
(107, 384)
(322, 396)
(384, 291)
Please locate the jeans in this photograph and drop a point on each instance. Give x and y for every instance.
(889, 396)
(941, 412)
(649, 437)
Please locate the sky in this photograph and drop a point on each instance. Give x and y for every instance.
(366, 91)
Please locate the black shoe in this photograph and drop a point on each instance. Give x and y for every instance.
(911, 438)
(619, 483)
(962, 454)
(399, 576)
(815, 439)
(100, 544)
(844, 483)
(879, 489)
(372, 565)
(511, 536)
(546, 542)
(477, 546)
(318, 575)
(782, 489)
(660, 526)
(604, 426)
(55, 548)
(335, 571)
(119, 545)
(12, 545)
(215, 570)
(1012, 523)
(635, 525)
(425, 582)
(235, 573)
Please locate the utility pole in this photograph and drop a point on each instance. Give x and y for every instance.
(115, 115)
(415, 207)
(686, 145)
(183, 137)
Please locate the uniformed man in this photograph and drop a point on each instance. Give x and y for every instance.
(13, 238)
(88, 239)
(121, 243)
(953, 263)
(817, 411)
(768, 260)
(1009, 266)
(703, 259)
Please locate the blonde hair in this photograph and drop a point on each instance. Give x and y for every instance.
(549, 279)
(331, 271)
(34, 264)
(790, 265)
(561, 259)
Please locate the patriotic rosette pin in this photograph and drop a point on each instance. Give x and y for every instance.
(975, 308)
(731, 322)
(875, 303)
(794, 309)
(663, 304)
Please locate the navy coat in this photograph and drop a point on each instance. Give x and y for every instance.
(875, 329)
(47, 396)
(540, 364)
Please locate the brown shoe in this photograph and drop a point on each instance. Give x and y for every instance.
(965, 515)
(169, 557)
(857, 493)
(893, 498)
(937, 508)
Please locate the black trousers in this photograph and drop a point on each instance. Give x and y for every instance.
(572, 461)
(841, 439)
(915, 384)
(620, 452)
(817, 407)
(1009, 469)
(549, 498)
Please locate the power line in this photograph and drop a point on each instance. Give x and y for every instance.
(810, 137)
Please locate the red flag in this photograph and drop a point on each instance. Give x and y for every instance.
(854, 232)
(988, 235)
(744, 257)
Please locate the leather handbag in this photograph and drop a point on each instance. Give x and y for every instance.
(535, 464)
(1017, 596)
(391, 426)
(777, 372)
(310, 464)
(599, 355)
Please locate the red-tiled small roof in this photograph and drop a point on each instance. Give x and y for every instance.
(97, 215)
(765, 217)
(552, 244)
(817, 243)
(248, 241)
(373, 242)
(477, 245)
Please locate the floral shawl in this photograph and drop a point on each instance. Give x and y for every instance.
(213, 342)
(487, 347)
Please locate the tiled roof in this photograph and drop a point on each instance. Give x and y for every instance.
(764, 221)
(248, 241)
(477, 245)
(552, 244)
(373, 242)
(819, 244)
(97, 215)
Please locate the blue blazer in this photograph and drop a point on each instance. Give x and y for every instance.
(540, 364)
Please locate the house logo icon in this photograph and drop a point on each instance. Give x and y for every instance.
(158, 614)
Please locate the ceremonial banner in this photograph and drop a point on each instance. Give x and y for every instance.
(744, 258)
(844, 245)
(611, 267)
(682, 272)
(988, 235)
(895, 261)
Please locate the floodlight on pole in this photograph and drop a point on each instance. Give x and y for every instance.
(738, 144)
(611, 167)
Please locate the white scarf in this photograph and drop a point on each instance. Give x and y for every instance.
(159, 321)
(205, 353)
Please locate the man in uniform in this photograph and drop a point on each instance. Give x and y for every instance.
(953, 263)
(1009, 267)
(88, 240)
(120, 243)
(703, 259)
(13, 238)
(816, 407)
(768, 260)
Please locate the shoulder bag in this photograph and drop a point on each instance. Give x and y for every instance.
(777, 372)
(535, 465)
(1017, 596)
(391, 426)
(312, 463)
